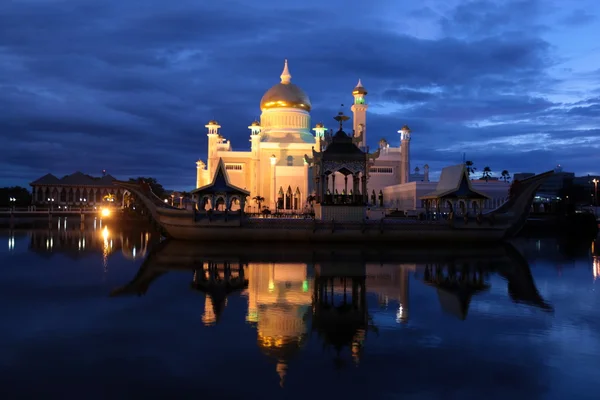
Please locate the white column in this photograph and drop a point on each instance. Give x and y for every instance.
(304, 194)
(273, 183)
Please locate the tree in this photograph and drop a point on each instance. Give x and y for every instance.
(487, 173)
(156, 187)
(505, 175)
(20, 194)
(470, 168)
(258, 200)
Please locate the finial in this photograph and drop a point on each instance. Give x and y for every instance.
(359, 84)
(286, 77)
(341, 118)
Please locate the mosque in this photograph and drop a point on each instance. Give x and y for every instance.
(275, 167)
(277, 172)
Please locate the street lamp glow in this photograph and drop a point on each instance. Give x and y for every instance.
(105, 212)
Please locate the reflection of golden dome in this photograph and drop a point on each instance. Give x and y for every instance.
(280, 347)
(285, 94)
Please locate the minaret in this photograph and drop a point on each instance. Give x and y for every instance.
(426, 173)
(404, 154)
(255, 130)
(319, 135)
(213, 139)
(359, 109)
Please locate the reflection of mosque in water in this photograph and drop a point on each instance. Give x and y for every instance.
(77, 241)
(282, 298)
(287, 300)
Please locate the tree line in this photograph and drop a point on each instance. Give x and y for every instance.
(486, 173)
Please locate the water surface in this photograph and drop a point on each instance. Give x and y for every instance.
(111, 313)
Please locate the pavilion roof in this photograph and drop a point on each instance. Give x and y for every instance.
(342, 147)
(455, 183)
(76, 179)
(220, 183)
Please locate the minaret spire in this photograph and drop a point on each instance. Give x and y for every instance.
(286, 77)
(359, 84)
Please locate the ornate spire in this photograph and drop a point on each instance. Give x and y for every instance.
(359, 89)
(286, 77)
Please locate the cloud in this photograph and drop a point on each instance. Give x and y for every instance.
(91, 86)
(578, 17)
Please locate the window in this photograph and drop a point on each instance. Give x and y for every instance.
(381, 170)
(290, 161)
(234, 167)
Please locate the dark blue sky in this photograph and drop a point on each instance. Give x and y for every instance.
(128, 86)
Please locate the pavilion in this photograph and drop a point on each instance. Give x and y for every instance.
(455, 189)
(77, 189)
(220, 194)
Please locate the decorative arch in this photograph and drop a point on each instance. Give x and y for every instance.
(235, 203)
(220, 203)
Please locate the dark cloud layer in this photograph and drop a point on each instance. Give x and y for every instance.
(129, 86)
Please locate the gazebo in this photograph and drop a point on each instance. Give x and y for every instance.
(455, 189)
(220, 194)
(340, 312)
(218, 280)
(342, 156)
(456, 286)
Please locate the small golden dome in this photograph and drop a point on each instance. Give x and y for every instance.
(212, 122)
(320, 125)
(255, 123)
(285, 94)
(359, 89)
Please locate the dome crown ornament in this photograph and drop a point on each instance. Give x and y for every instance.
(285, 76)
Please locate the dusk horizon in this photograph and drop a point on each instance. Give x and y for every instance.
(87, 86)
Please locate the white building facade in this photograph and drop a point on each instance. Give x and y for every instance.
(274, 168)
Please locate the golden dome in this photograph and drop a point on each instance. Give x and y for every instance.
(285, 94)
(359, 89)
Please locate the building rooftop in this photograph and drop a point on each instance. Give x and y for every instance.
(76, 179)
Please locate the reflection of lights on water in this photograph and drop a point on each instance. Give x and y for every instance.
(11, 243)
(399, 313)
(596, 267)
(83, 243)
(134, 251)
(106, 247)
(94, 223)
(65, 224)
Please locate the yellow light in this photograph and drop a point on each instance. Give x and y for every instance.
(105, 212)
(105, 233)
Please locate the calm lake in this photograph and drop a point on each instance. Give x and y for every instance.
(110, 313)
